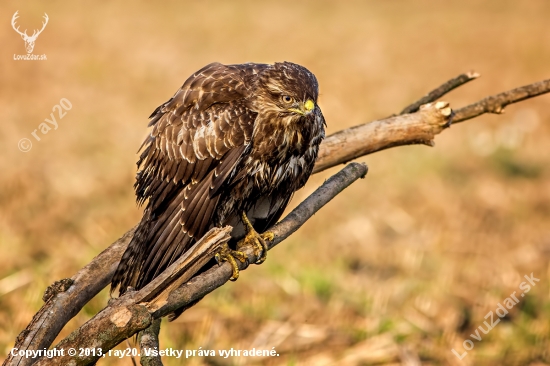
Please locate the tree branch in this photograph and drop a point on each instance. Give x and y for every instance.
(419, 128)
(441, 91)
(65, 298)
(137, 310)
(407, 129)
(497, 103)
(148, 342)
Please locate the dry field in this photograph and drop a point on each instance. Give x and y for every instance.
(399, 269)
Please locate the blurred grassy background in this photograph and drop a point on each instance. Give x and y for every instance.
(399, 269)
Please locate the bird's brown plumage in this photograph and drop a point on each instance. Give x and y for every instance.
(228, 141)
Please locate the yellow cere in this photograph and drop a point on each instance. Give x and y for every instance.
(309, 105)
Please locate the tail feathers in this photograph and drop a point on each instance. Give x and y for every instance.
(164, 234)
(177, 229)
(126, 274)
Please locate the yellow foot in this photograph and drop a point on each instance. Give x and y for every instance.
(258, 241)
(227, 254)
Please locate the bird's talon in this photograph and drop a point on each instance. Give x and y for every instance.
(261, 252)
(226, 254)
(239, 255)
(268, 235)
(263, 238)
(258, 241)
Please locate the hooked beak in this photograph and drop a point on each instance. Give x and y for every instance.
(305, 108)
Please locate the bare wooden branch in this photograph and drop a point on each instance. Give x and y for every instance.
(417, 128)
(66, 298)
(136, 310)
(149, 343)
(127, 315)
(497, 103)
(441, 91)
(368, 138)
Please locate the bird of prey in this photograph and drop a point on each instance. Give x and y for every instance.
(229, 148)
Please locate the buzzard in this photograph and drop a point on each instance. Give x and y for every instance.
(229, 148)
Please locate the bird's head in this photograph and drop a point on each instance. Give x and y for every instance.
(286, 90)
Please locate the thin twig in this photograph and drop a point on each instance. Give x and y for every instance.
(497, 103)
(441, 91)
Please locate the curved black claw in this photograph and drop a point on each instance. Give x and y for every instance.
(264, 237)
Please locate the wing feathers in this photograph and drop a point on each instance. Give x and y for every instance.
(188, 218)
(196, 140)
(223, 171)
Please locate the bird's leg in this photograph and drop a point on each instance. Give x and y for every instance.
(258, 241)
(227, 254)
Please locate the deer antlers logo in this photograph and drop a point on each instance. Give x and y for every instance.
(29, 40)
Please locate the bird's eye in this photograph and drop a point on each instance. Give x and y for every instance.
(287, 99)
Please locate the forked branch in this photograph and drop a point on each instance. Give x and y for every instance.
(409, 129)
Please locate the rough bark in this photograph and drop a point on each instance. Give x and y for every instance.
(149, 343)
(65, 298)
